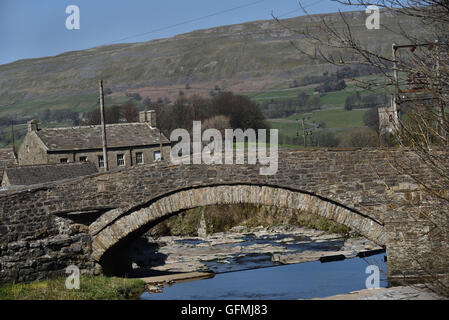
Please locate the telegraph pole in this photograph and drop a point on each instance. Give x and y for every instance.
(303, 132)
(160, 144)
(396, 84)
(103, 128)
(13, 141)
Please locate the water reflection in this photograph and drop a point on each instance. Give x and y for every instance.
(296, 281)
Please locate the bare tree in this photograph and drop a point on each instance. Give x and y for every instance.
(130, 112)
(415, 73)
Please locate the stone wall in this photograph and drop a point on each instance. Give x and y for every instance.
(120, 227)
(362, 181)
(32, 151)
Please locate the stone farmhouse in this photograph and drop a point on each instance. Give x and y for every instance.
(128, 144)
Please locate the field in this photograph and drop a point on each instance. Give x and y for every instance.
(332, 117)
(77, 103)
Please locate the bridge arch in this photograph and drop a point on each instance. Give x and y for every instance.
(120, 224)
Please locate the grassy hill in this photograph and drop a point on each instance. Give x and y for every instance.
(255, 58)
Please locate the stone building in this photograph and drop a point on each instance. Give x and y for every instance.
(30, 175)
(128, 144)
(7, 159)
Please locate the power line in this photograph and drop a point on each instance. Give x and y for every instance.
(191, 20)
(77, 57)
(312, 4)
(114, 50)
(149, 32)
(184, 51)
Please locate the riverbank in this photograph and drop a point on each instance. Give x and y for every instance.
(91, 288)
(155, 283)
(416, 292)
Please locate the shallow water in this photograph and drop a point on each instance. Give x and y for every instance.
(231, 251)
(296, 281)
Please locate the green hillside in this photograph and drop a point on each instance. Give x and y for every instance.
(252, 57)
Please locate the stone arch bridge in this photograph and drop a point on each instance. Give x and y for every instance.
(89, 221)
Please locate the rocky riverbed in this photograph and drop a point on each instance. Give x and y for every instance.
(242, 249)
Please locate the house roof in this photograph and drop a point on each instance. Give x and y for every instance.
(36, 174)
(90, 137)
(7, 159)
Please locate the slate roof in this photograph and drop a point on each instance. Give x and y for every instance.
(36, 174)
(89, 137)
(7, 159)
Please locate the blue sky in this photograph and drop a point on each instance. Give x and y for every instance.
(30, 29)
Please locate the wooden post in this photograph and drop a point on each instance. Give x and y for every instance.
(103, 128)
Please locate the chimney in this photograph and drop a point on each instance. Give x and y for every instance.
(148, 116)
(32, 125)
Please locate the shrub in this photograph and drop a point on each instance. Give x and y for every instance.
(359, 138)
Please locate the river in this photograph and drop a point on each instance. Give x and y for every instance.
(266, 278)
(295, 281)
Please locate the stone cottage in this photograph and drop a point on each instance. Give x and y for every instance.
(20, 176)
(128, 144)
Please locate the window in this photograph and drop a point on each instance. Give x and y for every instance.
(157, 156)
(63, 160)
(139, 158)
(83, 159)
(100, 162)
(120, 160)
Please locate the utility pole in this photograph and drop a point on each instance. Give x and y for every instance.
(13, 141)
(303, 132)
(103, 128)
(160, 144)
(396, 82)
(396, 97)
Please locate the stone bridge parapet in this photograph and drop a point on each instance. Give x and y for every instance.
(45, 228)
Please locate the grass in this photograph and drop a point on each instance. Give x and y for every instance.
(77, 103)
(335, 118)
(91, 288)
(283, 127)
(277, 95)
